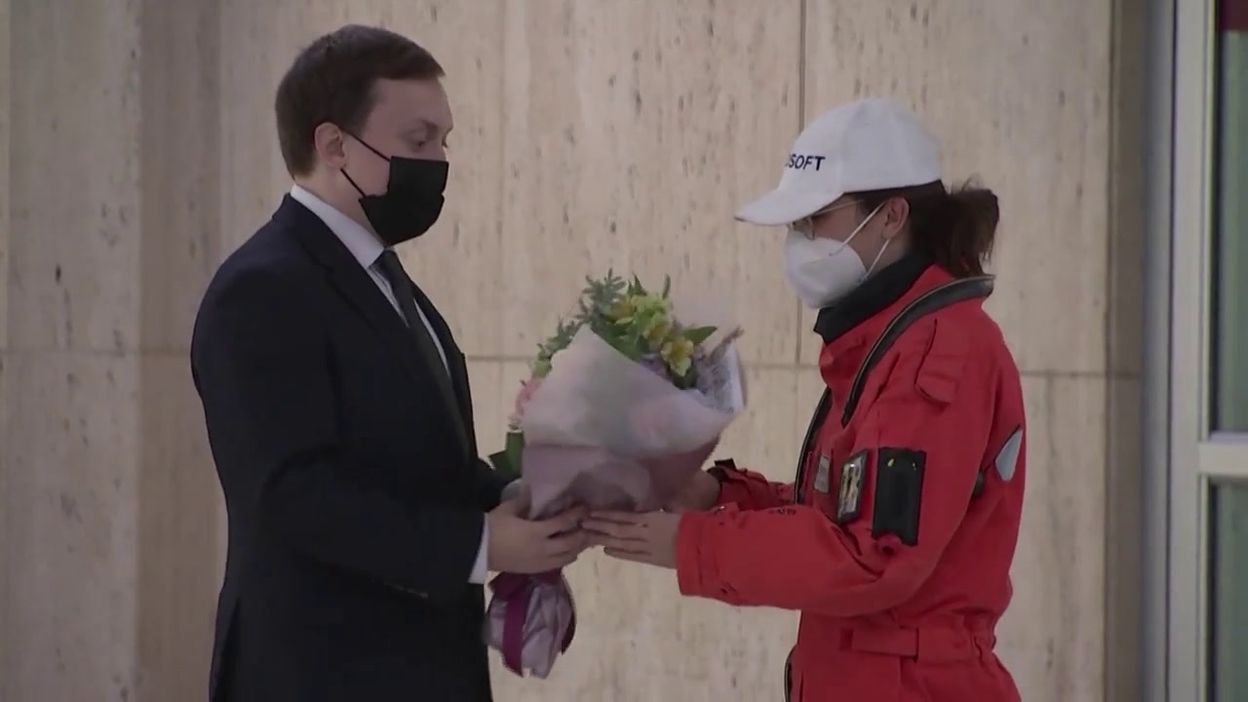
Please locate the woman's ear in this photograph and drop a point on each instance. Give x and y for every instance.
(895, 213)
(330, 146)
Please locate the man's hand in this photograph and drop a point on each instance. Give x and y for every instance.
(698, 495)
(645, 538)
(518, 545)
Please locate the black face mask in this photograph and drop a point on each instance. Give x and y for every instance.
(412, 201)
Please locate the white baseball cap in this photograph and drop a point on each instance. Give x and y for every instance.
(870, 144)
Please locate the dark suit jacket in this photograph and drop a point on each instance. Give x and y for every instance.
(354, 491)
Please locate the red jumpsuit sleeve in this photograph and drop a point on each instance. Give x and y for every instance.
(749, 490)
(797, 557)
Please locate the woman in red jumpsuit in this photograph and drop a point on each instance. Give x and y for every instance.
(896, 537)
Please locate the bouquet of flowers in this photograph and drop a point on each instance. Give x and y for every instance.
(626, 402)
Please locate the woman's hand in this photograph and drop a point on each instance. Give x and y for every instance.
(645, 538)
(698, 495)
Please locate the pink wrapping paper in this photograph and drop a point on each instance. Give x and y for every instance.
(602, 431)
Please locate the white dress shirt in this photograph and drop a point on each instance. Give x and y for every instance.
(367, 249)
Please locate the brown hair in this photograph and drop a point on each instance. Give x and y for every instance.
(332, 81)
(954, 229)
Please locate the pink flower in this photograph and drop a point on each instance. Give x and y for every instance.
(527, 388)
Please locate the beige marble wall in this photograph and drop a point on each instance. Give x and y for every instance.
(72, 440)
(590, 134)
(110, 505)
(179, 503)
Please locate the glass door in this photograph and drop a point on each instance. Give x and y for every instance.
(1226, 453)
(1208, 548)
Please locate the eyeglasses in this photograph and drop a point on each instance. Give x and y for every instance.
(806, 225)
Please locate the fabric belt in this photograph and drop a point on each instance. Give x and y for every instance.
(935, 644)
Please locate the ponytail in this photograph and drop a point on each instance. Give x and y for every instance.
(956, 230)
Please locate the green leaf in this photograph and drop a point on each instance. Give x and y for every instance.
(626, 344)
(698, 334)
(508, 461)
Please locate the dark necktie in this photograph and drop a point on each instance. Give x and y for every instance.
(403, 292)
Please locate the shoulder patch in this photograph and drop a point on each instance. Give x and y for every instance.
(1007, 458)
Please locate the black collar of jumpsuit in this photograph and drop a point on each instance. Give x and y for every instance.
(874, 295)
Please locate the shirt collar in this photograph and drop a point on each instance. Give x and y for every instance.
(363, 245)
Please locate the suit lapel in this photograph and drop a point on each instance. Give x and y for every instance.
(355, 285)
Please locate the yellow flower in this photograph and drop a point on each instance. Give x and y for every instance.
(678, 354)
(622, 312)
(650, 304)
(657, 330)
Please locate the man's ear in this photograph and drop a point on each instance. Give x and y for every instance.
(330, 145)
(895, 213)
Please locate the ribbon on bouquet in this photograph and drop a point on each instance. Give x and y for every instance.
(516, 593)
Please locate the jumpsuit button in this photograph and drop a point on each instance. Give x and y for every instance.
(888, 544)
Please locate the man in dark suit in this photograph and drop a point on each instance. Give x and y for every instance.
(361, 521)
